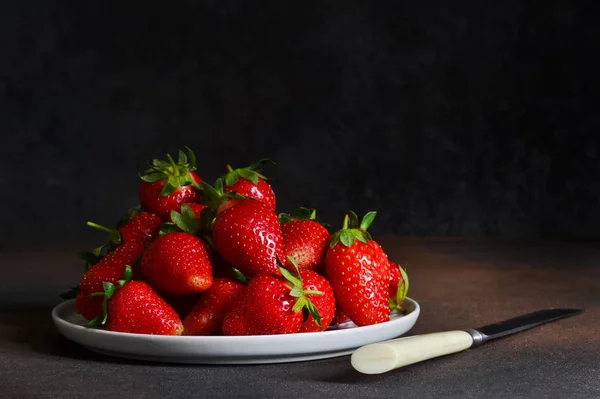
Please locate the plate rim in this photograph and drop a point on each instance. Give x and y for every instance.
(220, 339)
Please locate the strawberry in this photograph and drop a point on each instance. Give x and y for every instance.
(167, 185)
(395, 278)
(358, 270)
(304, 239)
(325, 303)
(136, 308)
(178, 263)
(398, 287)
(271, 305)
(207, 314)
(136, 227)
(251, 183)
(110, 269)
(340, 317)
(246, 232)
(88, 306)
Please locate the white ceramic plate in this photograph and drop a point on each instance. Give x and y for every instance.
(337, 341)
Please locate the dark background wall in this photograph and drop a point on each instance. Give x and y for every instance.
(449, 118)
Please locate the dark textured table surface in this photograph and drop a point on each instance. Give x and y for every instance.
(459, 283)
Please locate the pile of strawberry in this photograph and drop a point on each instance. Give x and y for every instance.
(196, 259)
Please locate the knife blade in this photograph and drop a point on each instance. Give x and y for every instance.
(385, 356)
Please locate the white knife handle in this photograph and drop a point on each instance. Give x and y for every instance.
(389, 355)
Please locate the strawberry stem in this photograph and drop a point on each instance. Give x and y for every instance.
(173, 164)
(114, 235)
(100, 227)
(229, 168)
(303, 303)
(312, 292)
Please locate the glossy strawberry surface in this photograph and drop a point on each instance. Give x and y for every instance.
(263, 308)
(360, 277)
(140, 229)
(262, 191)
(110, 268)
(306, 241)
(151, 200)
(325, 303)
(395, 279)
(247, 234)
(88, 307)
(137, 308)
(178, 263)
(206, 317)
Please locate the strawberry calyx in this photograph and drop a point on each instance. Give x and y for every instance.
(214, 197)
(303, 303)
(114, 237)
(92, 257)
(352, 230)
(302, 214)
(176, 174)
(251, 173)
(188, 222)
(239, 276)
(129, 215)
(109, 290)
(395, 303)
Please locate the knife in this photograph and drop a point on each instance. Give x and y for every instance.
(385, 356)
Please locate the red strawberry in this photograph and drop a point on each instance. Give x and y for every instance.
(140, 229)
(137, 308)
(207, 315)
(178, 263)
(340, 317)
(270, 305)
(245, 232)
(358, 270)
(325, 303)
(304, 239)
(136, 227)
(395, 278)
(251, 183)
(167, 185)
(398, 286)
(109, 269)
(87, 306)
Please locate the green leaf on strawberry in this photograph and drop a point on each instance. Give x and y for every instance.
(175, 174)
(352, 230)
(92, 257)
(109, 290)
(302, 214)
(114, 235)
(402, 291)
(251, 173)
(303, 303)
(239, 276)
(129, 215)
(186, 220)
